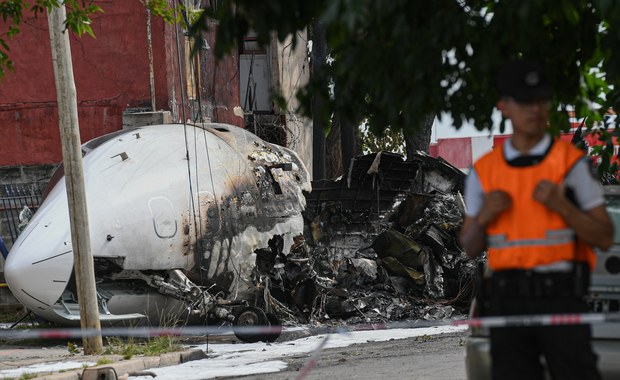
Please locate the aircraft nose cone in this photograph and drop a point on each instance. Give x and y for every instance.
(39, 265)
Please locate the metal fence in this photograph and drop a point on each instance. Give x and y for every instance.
(13, 199)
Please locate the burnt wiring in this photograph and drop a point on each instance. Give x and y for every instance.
(194, 196)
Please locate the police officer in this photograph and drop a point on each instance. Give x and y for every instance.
(534, 206)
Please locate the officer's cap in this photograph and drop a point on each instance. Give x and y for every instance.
(523, 80)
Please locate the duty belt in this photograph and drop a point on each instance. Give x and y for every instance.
(527, 283)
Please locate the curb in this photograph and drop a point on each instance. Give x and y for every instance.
(129, 366)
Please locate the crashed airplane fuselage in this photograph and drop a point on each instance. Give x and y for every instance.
(176, 213)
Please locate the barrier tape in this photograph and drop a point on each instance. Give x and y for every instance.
(311, 362)
(150, 332)
(540, 320)
(135, 332)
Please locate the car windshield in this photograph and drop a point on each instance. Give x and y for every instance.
(613, 209)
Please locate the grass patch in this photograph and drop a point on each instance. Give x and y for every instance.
(104, 361)
(130, 347)
(26, 376)
(73, 348)
(127, 347)
(12, 314)
(8, 317)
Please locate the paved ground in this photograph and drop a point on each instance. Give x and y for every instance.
(14, 357)
(436, 357)
(425, 357)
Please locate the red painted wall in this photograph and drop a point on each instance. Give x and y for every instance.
(220, 84)
(111, 75)
(456, 151)
(433, 149)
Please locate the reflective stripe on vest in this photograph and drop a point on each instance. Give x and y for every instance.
(551, 238)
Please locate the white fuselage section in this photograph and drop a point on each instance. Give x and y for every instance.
(166, 197)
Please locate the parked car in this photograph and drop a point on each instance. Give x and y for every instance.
(603, 297)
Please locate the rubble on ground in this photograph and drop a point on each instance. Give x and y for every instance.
(380, 245)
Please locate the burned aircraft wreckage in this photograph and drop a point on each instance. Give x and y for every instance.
(380, 244)
(194, 224)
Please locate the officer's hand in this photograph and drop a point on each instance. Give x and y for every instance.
(550, 194)
(494, 203)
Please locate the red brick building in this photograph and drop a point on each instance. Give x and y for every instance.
(113, 77)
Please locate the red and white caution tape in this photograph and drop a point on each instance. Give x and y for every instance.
(149, 332)
(154, 331)
(540, 320)
(136, 332)
(311, 362)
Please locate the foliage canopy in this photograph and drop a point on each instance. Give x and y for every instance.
(395, 61)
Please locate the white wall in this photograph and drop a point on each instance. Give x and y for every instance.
(444, 128)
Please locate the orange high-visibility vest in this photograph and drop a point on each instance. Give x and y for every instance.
(528, 234)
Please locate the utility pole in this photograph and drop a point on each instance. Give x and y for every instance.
(74, 175)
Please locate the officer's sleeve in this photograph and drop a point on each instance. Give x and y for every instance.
(586, 188)
(474, 196)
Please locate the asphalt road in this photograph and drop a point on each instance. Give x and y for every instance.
(439, 357)
(434, 357)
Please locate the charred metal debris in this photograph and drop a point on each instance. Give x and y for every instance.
(379, 245)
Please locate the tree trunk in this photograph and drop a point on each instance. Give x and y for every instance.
(347, 140)
(333, 156)
(319, 54)
(419, 139)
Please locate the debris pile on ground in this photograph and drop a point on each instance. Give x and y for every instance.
(380, 245)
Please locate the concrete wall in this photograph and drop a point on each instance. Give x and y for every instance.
(138, 119)
(293, 71)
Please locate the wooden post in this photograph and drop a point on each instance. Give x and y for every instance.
(74, 175)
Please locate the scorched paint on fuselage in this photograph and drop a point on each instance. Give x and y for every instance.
(171, 207)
